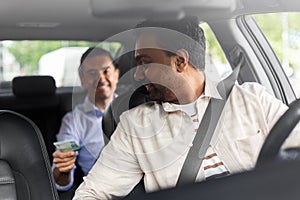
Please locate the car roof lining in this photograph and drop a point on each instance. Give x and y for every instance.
(94, 20)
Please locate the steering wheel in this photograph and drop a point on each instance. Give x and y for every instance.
(270, 151)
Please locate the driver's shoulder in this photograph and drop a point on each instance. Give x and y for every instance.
(249, 88)
(253, 92)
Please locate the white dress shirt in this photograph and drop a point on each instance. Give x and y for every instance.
(152, 141)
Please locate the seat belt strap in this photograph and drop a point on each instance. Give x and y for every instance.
(206, 129)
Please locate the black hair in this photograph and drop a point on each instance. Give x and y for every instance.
(189, 27)
(94, 51)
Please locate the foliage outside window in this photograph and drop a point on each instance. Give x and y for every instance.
(21, 58)
(283, 33)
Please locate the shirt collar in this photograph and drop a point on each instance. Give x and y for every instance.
(210, 91)
(88, 106)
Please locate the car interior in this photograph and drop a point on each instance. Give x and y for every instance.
(33, 105)
(25, 174)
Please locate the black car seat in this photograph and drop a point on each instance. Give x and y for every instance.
(35, 97)
(25, 171)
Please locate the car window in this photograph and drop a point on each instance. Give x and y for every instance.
(282, 30)
(217, 66)
(59, 59)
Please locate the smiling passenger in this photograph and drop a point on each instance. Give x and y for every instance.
(99, 76)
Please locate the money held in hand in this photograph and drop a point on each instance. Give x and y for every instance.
(66, 145)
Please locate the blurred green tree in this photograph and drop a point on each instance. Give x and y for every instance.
(28, 53)
(283, 33)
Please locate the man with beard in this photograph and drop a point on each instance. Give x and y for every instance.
(99, 76)
(152, 140)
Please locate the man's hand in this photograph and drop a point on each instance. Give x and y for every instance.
(64, 163)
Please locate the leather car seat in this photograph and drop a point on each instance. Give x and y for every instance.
(25, 171)
(35, 97)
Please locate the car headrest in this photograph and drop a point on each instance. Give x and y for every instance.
(33, 86)
(5, 85)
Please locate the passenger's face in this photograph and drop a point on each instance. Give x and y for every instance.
(157, 69)
(99, 77)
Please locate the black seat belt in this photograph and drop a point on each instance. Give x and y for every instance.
(206, 129)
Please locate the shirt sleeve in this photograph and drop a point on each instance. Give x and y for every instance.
(273, 109)
(115, 173)
(69, 128)
(65, 187)
(67, 132)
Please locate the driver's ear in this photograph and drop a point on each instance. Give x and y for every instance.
(182, 60)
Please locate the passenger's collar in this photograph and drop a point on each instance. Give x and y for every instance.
(210, 91)
(88, 106)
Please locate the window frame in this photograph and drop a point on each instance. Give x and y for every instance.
(269, 61)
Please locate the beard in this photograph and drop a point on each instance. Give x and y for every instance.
(160, 93)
